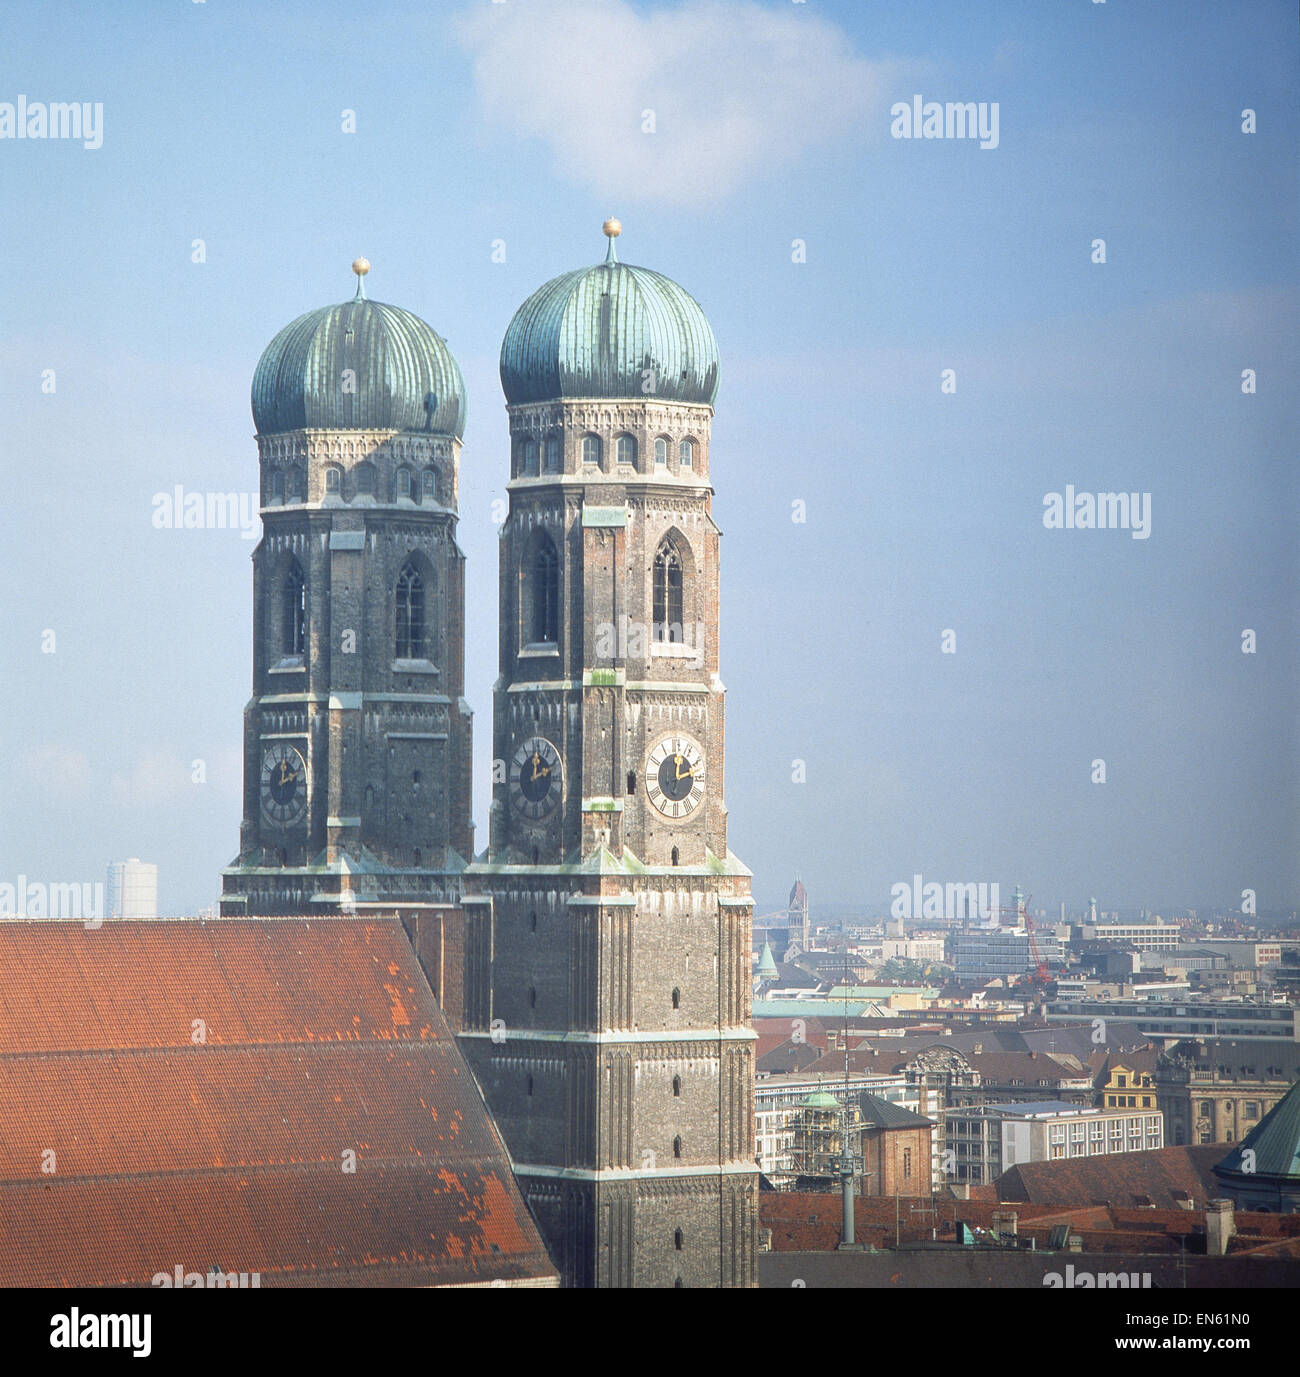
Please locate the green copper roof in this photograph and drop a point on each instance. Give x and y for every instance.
(820, 1100)
(360, 365)
(1275, 1141)
(600, 331)
(767, 962)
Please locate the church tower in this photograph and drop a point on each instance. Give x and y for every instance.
(610, 1031)
(357, 736)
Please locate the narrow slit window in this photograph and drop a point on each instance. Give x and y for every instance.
(295, 612)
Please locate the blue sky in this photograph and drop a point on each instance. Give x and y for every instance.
(523, 122)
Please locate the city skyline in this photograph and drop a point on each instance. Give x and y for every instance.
(867, 511)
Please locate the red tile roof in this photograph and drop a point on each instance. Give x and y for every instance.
(251, 980)
(1117, 1178)
(323, 1039)
(803, 1221)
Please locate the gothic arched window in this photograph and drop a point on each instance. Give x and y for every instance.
(365, 480)
(403, 482)
(410, 614)
(687, 453)
(591, 449)
(625, 450)
(332, 480)
(661, 452)
(545, 579)
(530, 458)
(277, 485)
(294, 625)
(553, 453)
(427, 484)
(668, 593)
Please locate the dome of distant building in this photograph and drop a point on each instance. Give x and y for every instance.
(359, 365)
(819, 1100)
(610, 330)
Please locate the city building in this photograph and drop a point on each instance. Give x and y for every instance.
(1218, 1091)
(132, 889)
(779, 1098)
(610, 1023)
(1168, 1019)
(982, 954)
(1156, 935)
(1128, 1081)
(1244, 953)
(984, 1141)
(895, 1149)
(824, 1129)
(925, 949)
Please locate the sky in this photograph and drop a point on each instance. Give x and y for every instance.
(918, 346)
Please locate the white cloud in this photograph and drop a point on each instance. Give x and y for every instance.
(738, 90)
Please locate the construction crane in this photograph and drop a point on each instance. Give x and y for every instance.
(1019, 912)
(1040, 977)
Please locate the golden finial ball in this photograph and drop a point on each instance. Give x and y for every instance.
(361, 266)
(613, 228)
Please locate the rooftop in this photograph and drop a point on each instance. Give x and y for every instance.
(201, 1084)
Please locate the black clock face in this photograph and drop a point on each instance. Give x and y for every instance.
(284, 785)
(536, 777)
(675, 775)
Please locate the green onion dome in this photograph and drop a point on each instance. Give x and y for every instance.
(602, 331)
(360, 365)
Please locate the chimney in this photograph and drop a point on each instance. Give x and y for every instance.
(1220, 1225)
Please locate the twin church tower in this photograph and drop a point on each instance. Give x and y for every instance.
(594, 959)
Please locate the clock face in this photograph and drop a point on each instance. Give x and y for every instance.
(284, 785)
(674, 775)
(536, 777)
